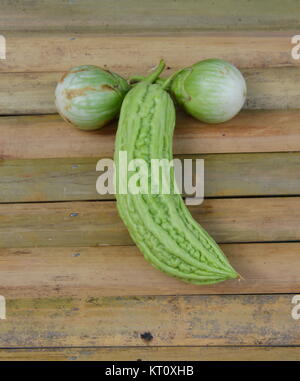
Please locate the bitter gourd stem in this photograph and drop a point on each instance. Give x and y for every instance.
(150, 78)
(153, 76)
(134, 79)
(164, 82)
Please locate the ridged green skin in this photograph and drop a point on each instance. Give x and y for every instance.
(89, 97)
(160, 224)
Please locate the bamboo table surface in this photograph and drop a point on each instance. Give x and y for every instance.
(75, 285)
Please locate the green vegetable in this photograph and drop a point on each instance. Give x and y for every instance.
(90, 97)
(160, 224)
(212, 90)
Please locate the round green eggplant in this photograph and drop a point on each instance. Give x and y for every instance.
(90, 97)
(212, 90)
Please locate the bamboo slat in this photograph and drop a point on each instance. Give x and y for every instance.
(33, 93)
(219, 320)
(254, 174)
(137, 54)
(153, 354)
(97, 223)
(87, 15)
(29, 137)
(122, 271)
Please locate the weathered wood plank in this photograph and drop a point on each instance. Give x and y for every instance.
(33, 93)
(90, 15)
(123, 271)
(172, 320)
(153, 354)
(29, 137)
(68, 179)
(137, 54)
(272, 88)
(97, 223)
(27, 93)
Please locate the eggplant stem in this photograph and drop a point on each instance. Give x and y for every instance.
(165, 83)
(168, 81)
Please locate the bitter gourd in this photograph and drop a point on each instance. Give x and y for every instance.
(160, 224)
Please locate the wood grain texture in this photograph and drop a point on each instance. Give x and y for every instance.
(27, 93)
(153, 354)
(122, 271)
(172, 320)
(97, 223)
(68, 179)
(272, 88)
(90, 15)
(33, 93)
(29, 137)
(137, 54)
